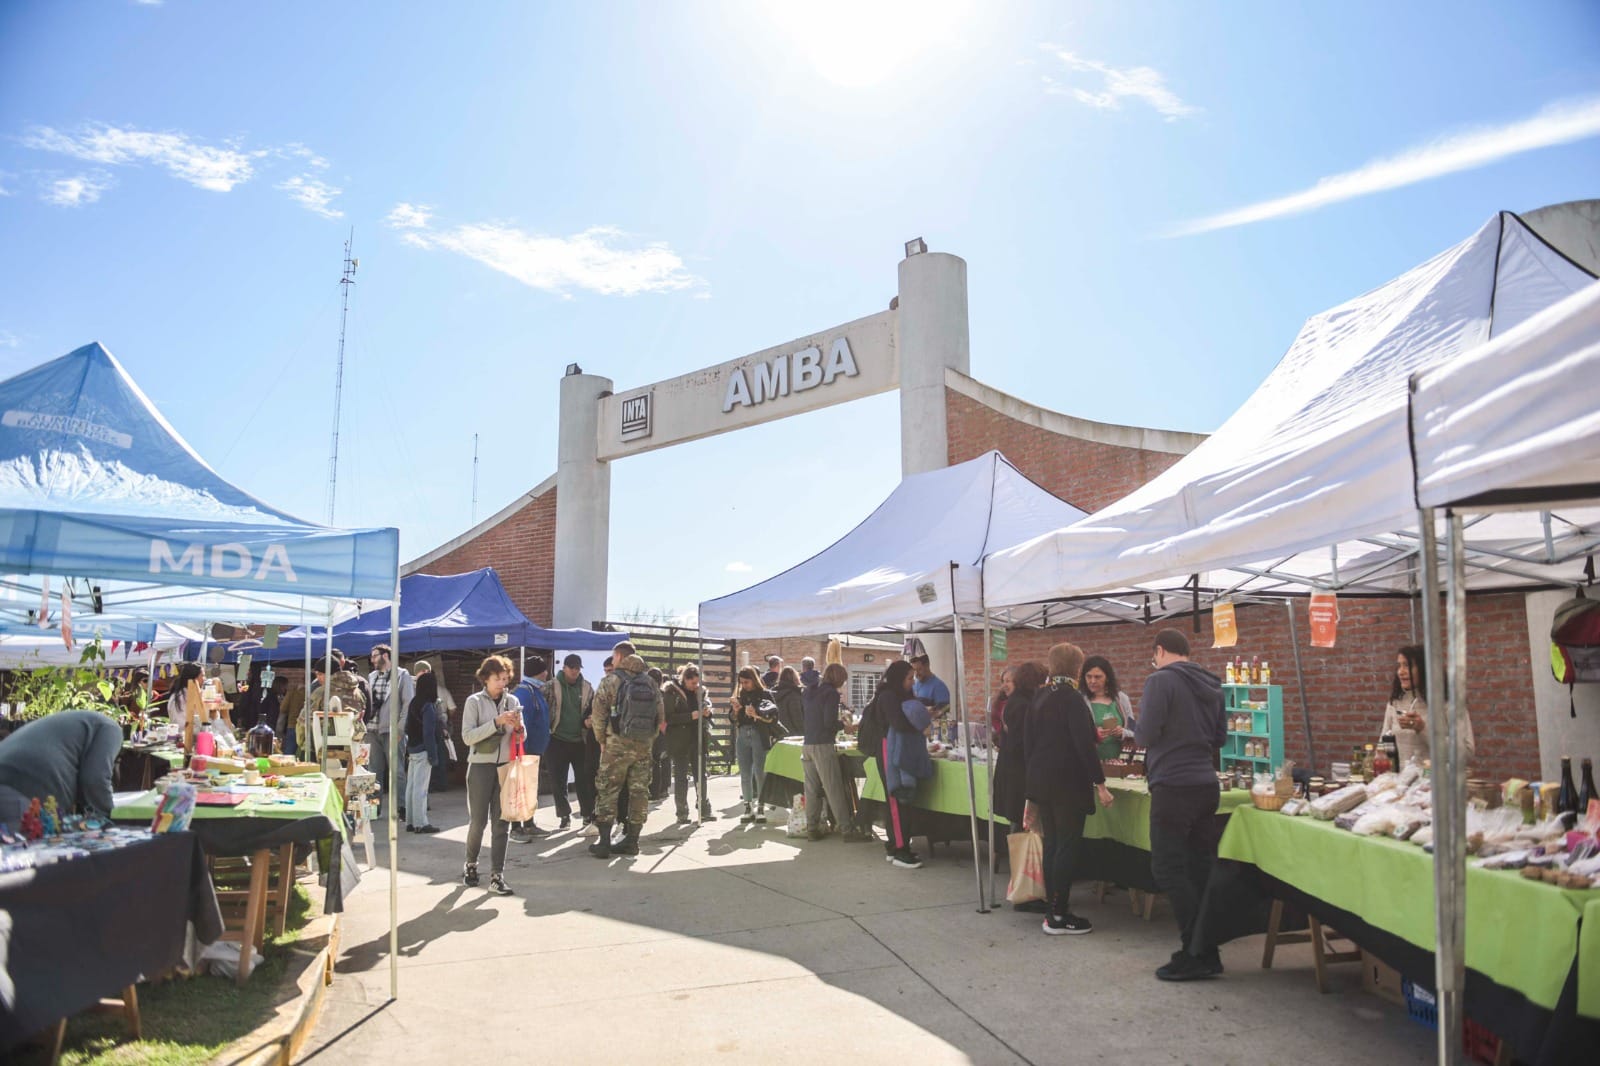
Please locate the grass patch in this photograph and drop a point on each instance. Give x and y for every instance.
(186, 1020)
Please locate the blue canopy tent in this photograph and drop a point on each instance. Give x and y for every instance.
(95, 484)
(452, 612)
(99, 491)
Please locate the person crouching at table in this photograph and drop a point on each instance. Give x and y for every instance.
(1063, 773)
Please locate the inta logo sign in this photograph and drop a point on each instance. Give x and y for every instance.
(636, 417)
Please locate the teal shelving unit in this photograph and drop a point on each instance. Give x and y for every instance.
(1264, 705)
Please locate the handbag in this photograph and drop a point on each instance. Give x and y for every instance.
(1027, 867)
(519, 785)
(773, 729)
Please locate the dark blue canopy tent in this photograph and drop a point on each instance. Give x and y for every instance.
(452, 612)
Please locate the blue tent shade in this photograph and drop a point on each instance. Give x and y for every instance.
(454, 612)
(95, 483)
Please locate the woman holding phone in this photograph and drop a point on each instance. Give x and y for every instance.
(490, 720)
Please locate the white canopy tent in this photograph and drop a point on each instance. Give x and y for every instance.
(1308, 484)
(894, 570)
(914, 564)
(1518, 420)
(25, 650)
(1514, 425)
(1326, 463)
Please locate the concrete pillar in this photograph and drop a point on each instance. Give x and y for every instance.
(583, 506)
(931, 335)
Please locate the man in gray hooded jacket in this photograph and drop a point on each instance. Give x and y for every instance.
(1181, 726)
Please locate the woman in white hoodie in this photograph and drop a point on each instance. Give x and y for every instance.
(489, 721)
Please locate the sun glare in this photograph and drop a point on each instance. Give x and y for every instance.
(868, 42)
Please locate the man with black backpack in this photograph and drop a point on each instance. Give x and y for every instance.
(634, 699)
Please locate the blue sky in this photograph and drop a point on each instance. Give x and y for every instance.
(650, 189)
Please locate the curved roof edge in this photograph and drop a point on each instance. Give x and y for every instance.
(1169, 441)
(481, 528)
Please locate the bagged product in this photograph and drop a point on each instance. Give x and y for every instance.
(519, 785)
(1027, 867)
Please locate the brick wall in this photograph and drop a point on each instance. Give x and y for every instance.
(1087, 474)
(1347, 686)
(522, 549)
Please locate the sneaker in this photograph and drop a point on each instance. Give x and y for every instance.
(590, 829)
(534, 831)
(815, 834)
(761, 816)
(469, 874)
(1032, 906)
(1187, 968)
(566, 823)
(747, 817)
(906, 860)
(411, 829)
(707, 814)
(517, 836)
(855, 836)
(683, 818)
(1067, 925)
(426, 830)
(497, 885)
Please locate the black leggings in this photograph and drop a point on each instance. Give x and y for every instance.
(1062, 826)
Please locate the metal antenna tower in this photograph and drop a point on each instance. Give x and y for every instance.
(347, 279)
(474, 480)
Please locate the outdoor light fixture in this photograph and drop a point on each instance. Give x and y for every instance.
(573, 368)
(869, 657)
(916, 247)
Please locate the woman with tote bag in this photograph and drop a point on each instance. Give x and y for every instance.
(490, 721)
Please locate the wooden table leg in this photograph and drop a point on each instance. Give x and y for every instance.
(1272, 934)
(130, 1012)
(255, 913)
(285, 886)
(57, 1040)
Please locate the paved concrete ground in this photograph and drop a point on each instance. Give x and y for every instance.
(733, 941)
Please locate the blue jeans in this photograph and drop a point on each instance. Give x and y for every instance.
(751, 748)
(418, 772)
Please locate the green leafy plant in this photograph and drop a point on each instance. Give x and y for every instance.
(52, 689)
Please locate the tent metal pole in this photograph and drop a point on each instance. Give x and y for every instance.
(988, 747)
(1300, 679)
(959, 697)
(396, 730)
(1448, 814)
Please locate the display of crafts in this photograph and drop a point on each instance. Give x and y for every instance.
(45, 837)
(1562, 849)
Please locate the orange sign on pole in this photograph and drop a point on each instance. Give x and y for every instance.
(1224, 627)
(1324, 619)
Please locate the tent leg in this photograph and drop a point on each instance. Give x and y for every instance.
(988, 749)
(959, 696)
(396, 730)
(1300, 680)
(1449, 871)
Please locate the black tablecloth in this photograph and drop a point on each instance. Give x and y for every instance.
(245, 836)
(1238, 902)
(75, 931)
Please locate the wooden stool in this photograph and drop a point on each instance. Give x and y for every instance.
(127, 1004)
(248, 893)
(1140, 901)
(1317, 936)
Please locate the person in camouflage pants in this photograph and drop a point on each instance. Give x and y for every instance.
(624, 760)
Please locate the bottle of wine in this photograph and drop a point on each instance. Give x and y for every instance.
(1587, 793)
(1567, 797)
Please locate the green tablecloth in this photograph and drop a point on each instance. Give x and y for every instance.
(1520, 934)
(1589, 959)
(308, 795)
(1127, 821)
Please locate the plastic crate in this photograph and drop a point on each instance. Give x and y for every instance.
(1420, 1004)
(1479, 1043)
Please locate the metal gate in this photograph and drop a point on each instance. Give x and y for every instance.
(668, 648)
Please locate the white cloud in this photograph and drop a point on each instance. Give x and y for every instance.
(9, 339)
(409, 216)
(1556, 124)
(738, 568)
(315, 196)
(204, 166)
(5, 178)
(595, 260)
(1117, 84)
(299, 151)
(77, 190)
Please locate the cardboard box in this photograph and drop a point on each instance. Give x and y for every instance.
(1380, 979)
